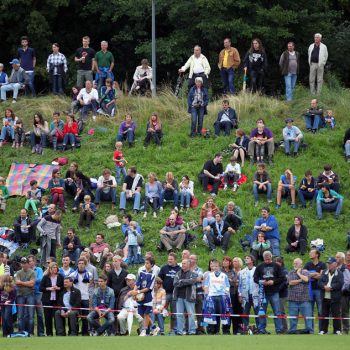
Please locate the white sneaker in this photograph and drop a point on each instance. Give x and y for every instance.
(161, 208)
(155, 331)
(143, 333)
(145, 214)
(176, 208)
(14, 101)
(100, 111)
(322, 333)
(154, 214)
(338, 333)
(94, 118)
(235, 187)
(225, 187)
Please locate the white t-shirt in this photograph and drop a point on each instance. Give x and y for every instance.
(198, 67)
(233, 168)
(87, 96)
(109, 181)
(83, 287)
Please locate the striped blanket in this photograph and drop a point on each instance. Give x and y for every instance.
(20, 176)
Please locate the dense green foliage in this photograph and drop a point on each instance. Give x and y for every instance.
(180, 25)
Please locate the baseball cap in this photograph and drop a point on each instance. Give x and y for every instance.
(130, 276)
(331, 260)
(24, 260)
(15, 61)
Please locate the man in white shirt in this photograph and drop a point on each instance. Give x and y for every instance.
(199, 67)
(318, 55)
(88, 99)
(106, 188)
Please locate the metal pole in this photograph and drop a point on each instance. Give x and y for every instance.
(154, 64)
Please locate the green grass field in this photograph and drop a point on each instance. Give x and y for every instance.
(188, 342)
(183, 155)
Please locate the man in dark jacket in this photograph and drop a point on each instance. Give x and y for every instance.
(227, 119)
(70, 301)
(269, 276)
(218, 233)
(289, 64)
(185, 296)
(72, 246)
(24, 228)
(331, 284)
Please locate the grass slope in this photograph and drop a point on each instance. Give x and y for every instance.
(183, 155)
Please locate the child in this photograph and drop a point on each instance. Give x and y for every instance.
(7, 298)
(8, 131)
(330, 119)
(33, 197)
(261, 184)
(131, 240)
(44, 206)
(88, 211)
(159, 301)
(119, 162)
(260, 147)
(4, 194)
(232, 172)
(20, 134)
(56, 129)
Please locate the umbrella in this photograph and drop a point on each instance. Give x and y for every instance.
(129, 304)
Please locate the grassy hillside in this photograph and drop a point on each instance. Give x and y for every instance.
(183, 155)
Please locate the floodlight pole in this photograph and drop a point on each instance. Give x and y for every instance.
(154, 64)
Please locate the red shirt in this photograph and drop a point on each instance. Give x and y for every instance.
(118, 155)
(73, 129)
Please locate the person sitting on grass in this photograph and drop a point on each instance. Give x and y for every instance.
(329, 120)
(297, 237)
(208, 212)
(70, 132)
(328, 200)
(88, 100)
(218, 233)
(33, 197)
(99, 249)
(127, 130)
(262, 184)
(240, 147)
(291, 137)
(226, 120)
(286, 187)
(153, 190)
(38, 137)
(346, 145)
(232, 173)
(169, 191)
(106, 188)
(173, 236)
(329, 177)
(8, 128)
(153, 130)
(4, 194)
(87, 212)
(20, 134)
(56, 188)
(186, 192)
(83, 187)
(233, 213)
(75, 104)
(307, 189)
(120, 162)
(259, 246)
(313, 117)
(24, 229)
(72, 246)
(56, 130)
(108, 99)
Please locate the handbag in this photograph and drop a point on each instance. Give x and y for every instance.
(194, 202)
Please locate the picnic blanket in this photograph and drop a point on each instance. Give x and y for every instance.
(20, 176)
(10, 245)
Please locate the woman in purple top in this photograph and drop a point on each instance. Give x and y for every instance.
(127, 130)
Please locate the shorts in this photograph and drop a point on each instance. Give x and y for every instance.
(144, 310)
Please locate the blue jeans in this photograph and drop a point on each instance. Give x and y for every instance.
(275, 246)
(185, 199)
(308, 121)
(335, 206)
(7, 322)
(132, 254)
(69, 138)
(246, 311)
(137, 199)
(207, 222)
(160, 319)
(316, 298)
(290, 81)
(119, 170)
(94, 324)
(287, 145)
(93, 106)
(256, 191)
(304, 308)
(109, 196)
(57, 84)
(129, 136)
(26, 313)
(38, 140)
(6, 132)
(306, 195)
(168, 195)
(10, 87)
(197, 116)
(347, 149)
(181, 306)
(73, 254)
(274, 301)
(228, 79)
(39, 314)
(227, 126)
(31, 76)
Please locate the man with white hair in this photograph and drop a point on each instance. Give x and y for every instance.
(340, 257)
(199, 67)
(318, 55)
(298, 296)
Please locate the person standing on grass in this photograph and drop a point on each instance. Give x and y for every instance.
(85, 57)
(7, 298)
(57, 68)
(103, 65)
(289, 65)
(27, 58)
(317, 56)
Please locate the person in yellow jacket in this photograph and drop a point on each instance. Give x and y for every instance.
(229, 60)
(199, 67)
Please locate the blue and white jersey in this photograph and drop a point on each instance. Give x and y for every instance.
(146, 280)
(217, 285)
